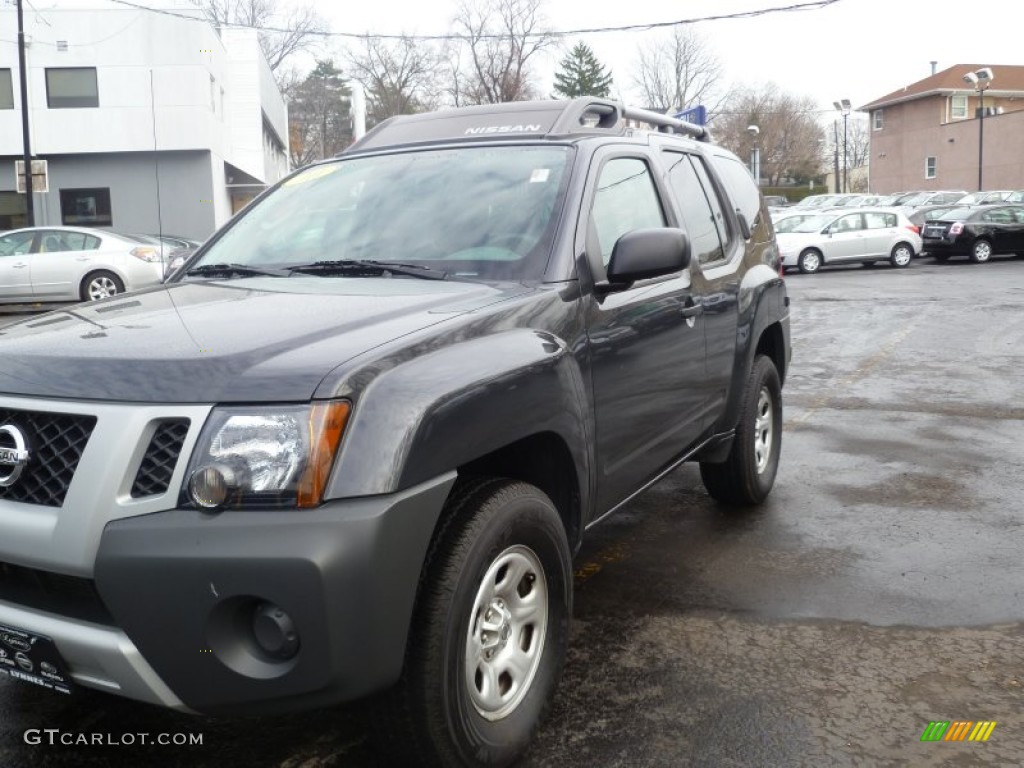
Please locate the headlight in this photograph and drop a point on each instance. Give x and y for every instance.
(266, 457)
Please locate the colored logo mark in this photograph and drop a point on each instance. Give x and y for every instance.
(958, 730)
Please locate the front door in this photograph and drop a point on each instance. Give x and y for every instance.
(60, 259)
(15, 275)
(646, 343)
(844, 240)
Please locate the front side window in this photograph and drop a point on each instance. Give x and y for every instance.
(695, 208)
(86, 207)
(487, 212)
(929, 167)
(877, 119)
(71, 87)
(626, 199)
(849, 223)
(6, 90)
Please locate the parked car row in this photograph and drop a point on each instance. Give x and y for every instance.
(80, 264)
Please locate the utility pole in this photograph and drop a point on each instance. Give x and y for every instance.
(30, 215)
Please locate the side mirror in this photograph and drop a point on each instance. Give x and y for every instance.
(645, 253)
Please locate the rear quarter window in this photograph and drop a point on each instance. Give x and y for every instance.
(739, 183)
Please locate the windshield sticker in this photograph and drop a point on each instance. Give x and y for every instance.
(311, 175)
(539, 175)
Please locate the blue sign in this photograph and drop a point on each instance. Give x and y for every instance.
(697, 115)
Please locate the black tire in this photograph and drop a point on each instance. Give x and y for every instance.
(438, 713)
(744, 479)
(901, 256)
(981, 251)
(809, 261)
(100, 285)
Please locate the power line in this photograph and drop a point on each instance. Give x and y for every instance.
(805, 6)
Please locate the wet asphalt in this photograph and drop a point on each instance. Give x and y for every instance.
(878, 589)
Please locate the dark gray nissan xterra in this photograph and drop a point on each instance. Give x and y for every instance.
(351, 450)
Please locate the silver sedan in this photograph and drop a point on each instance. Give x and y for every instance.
(73, 264)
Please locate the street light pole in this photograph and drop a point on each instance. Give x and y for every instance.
(843, 106)
(981, 80)
(981, 138)
(30, 216)
(835, 154)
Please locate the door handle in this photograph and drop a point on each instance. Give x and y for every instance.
(692, 311)
(19, 266)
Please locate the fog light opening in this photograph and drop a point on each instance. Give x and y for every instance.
(209, 487)
(275, 632)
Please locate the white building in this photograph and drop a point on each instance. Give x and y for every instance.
(149, 121)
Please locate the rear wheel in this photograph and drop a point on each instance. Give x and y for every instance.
(747, 476)
(489, 632)
(901, 255)
(981, 251)
(100, 285)
(809, 261)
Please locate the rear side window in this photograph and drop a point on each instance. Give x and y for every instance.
(695, 206)
(740, 186)
(879, 220)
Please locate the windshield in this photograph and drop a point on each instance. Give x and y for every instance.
(790, 223)
(484, 212)
(814, 224)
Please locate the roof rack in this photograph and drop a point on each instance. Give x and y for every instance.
(520, 119)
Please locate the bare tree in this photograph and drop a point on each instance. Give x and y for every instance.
(501, 37)
(282, 33)
(677, 72)
(789, 138)
(400, 77)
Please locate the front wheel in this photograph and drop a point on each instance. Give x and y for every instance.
(748, 474)
(901, 255)
(981, 251)
(489, 634)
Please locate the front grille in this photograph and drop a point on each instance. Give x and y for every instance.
(55, 593)
(154, 475)
(55, 443)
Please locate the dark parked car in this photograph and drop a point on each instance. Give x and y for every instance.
(977, 232)
(349, 450)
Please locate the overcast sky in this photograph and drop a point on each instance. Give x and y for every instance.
(855, 49)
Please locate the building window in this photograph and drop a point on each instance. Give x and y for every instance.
(958, 107)
(929, 167)
(6, 91)
(71, 87)
(86, 207)
(213, 94)
(877, 121)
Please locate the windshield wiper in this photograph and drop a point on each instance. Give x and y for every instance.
(356, 267)
(234, 269)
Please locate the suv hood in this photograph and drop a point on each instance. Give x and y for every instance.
(253, 339)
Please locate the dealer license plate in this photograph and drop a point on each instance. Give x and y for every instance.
(32, 659)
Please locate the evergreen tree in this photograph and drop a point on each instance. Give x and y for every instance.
(581, 75)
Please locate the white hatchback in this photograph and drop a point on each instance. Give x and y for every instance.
(73, 264)
(866, 235)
